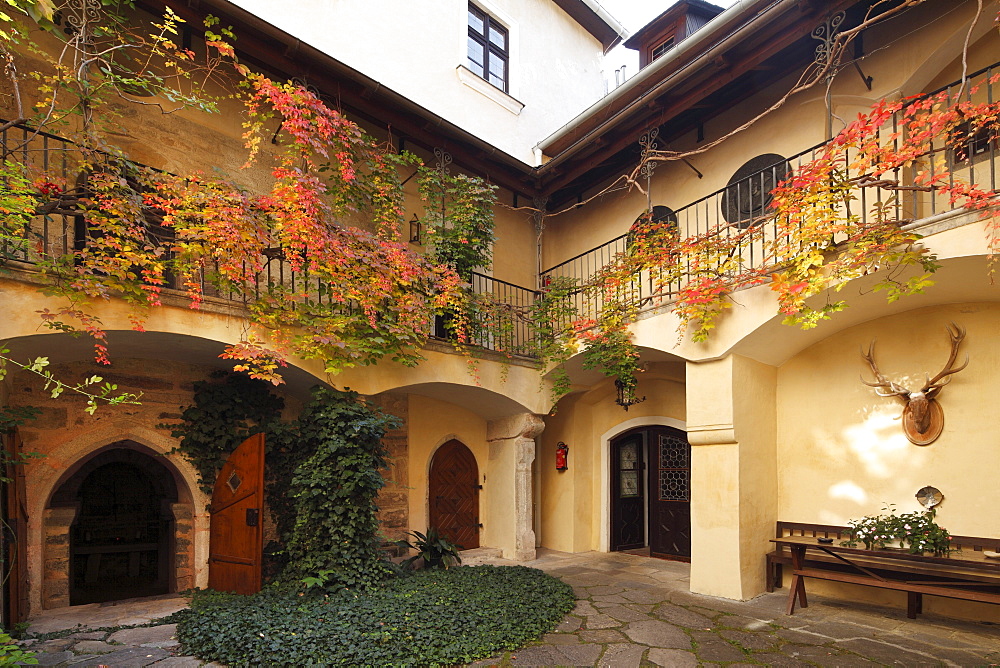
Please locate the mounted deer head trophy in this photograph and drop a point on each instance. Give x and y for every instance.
(923, 417)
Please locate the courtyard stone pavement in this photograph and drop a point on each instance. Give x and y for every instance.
(637, 611)
(630, 611)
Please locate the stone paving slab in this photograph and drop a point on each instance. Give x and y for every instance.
(621, 655)
(122, 648)
(665, 624)
(129, 657)
(631, 611)
(105, 615)
(144, 635)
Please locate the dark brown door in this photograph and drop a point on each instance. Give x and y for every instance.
(669, 493)
(454, 494)
(236, 535)
(15, 538)
(628, 503)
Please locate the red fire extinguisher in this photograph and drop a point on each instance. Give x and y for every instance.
(562, 456)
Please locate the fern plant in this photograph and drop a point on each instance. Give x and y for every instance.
(436, 550)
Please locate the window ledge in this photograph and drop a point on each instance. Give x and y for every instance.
(481, 85)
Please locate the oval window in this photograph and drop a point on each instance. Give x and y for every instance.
(748, 193)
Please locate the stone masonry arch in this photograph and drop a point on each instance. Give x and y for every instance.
(48, 527)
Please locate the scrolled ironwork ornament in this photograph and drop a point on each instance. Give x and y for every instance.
(826, 33)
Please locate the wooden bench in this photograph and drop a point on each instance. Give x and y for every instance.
(782, 556)
(950, 577)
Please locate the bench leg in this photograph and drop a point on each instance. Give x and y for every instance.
(914, 604)
(779, 575)
(769, 569)
(798, 586)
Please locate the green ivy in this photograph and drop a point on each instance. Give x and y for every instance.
(227, 410)
(11, 653)
(322, 472)
(431, 618)
(15, 416)
(459, 220)
(552, 314)
(334, 491)
(11, 417)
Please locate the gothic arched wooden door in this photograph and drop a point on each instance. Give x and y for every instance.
(454, 494)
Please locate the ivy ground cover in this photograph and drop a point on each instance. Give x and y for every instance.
(433, 617)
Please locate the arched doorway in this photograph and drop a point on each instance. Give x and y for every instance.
(453, 487)
(651, 492)
(121, 539)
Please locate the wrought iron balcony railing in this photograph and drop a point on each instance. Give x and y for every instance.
(731, 210)
(503, 320)
(62, 230)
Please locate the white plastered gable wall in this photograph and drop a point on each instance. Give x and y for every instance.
(417, 48)
(512, 103)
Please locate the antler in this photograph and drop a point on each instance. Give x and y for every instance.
(934, 385)
(894, 389)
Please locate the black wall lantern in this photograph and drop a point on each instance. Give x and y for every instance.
(623, 400)
(416, 230)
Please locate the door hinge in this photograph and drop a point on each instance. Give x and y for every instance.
(253, 516)
(478, 486)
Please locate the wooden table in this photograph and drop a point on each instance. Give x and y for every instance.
(962, 568)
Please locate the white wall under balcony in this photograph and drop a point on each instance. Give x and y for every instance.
(417, 48)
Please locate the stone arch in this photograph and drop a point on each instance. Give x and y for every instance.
(960, 279)
(123, 541)
(424, 498)
(51, 516)
(451, 436)
(754, 329)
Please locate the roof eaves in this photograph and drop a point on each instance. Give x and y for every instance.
(596, 20)
(678, 58)
(380, 94)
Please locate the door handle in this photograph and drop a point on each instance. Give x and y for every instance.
(253, 516)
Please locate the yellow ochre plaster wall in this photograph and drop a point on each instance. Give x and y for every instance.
(731, 413)
(841, 451)
(432, 423)
(574, 503)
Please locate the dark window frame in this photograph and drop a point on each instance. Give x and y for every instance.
(968, 145)
(490, 49)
